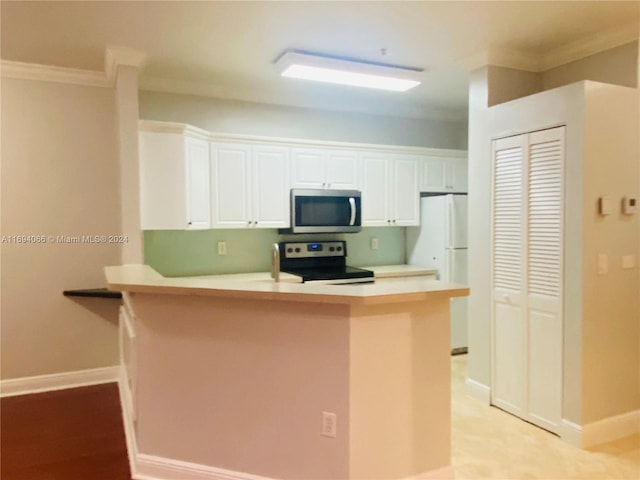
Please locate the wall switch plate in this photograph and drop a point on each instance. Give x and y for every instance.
(604, 205)
(374, 243)
(222, 248)
(629, 205)
(628, 261)
(329, 424)
(603, 263)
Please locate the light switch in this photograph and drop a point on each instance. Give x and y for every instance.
(222, 248)
(374, 243)
(604, 205)
(628, 261)
(603, 263)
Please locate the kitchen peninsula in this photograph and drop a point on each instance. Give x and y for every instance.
(238, 377)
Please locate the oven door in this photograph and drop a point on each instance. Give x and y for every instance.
(325, 211)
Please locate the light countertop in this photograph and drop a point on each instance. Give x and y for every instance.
(144, 279)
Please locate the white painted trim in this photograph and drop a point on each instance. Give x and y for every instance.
(567, 53)
(478, 391)
(50, 73)
(570, 433)
(150, 467)
(115, 57)
(189, 130)
(611, 428)
(127, 420)
(58, 381)
(586, 47)
(444, 473)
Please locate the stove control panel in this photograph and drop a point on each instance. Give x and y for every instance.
(314, 249)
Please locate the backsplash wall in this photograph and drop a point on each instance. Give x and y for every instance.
(176, 253)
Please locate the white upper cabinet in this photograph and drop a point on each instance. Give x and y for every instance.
(324, 168)
(443, 174)
(250, 186)
(390, 195)
(174, 181)
(193, 179)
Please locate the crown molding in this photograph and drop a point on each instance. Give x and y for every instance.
(50, 73)
(600, 42)
(204, 89)
(567, 53)
(122, 56)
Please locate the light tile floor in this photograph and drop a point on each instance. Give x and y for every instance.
(488, 443)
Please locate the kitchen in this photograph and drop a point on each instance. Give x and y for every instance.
(69, 340)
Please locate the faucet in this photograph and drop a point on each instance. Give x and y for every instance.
(275, 262)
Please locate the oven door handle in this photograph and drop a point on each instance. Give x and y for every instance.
(352, 204)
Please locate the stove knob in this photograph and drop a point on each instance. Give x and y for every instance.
(289, 250)
(331, 249)
(339, 249)
(297, 249)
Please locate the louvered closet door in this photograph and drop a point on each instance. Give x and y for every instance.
(509, 326)
(544, 276)
(527, 276)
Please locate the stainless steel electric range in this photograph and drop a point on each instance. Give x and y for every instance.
(321, 262)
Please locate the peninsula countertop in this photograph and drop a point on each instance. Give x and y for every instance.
(144, 279)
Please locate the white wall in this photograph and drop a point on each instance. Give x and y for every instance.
(233, 116)
(59, 177)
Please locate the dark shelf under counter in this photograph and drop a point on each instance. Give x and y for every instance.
(92, 292)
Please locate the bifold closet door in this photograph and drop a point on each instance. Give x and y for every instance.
(527, 275)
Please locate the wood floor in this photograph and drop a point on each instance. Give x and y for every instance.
(78, 434)
(63, 435)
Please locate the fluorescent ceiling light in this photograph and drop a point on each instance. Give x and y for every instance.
(347, 72)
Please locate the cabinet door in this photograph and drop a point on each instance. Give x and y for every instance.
(341, 170)
(458, 175)
(308, 168)
(198, 192)
(375, 190)
(230, 180)
(434, 175)
(270, 187)
(406, 195)
(162, 181)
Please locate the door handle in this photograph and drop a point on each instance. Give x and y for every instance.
(352, 204)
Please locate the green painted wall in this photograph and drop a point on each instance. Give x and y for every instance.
(194, 252)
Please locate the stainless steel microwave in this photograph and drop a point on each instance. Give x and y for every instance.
(325, 211)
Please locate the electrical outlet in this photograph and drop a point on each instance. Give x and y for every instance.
(329, 424)
(374, 243)
(222, 248)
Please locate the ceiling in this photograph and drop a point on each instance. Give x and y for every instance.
(226, 49)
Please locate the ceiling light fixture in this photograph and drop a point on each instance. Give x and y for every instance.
(346, 71)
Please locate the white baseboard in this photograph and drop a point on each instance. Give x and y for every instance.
(58, 381)
(444, 473)
(611, 428)
(478, 391)
(570, 433)
(157, 468)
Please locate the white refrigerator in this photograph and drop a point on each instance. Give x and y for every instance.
(440, 242)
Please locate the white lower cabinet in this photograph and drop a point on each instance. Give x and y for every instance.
(174, 181)
(250, 186)
(527, 273)
(390, 195)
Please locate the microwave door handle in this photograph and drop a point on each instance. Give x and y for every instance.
(352, 204)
